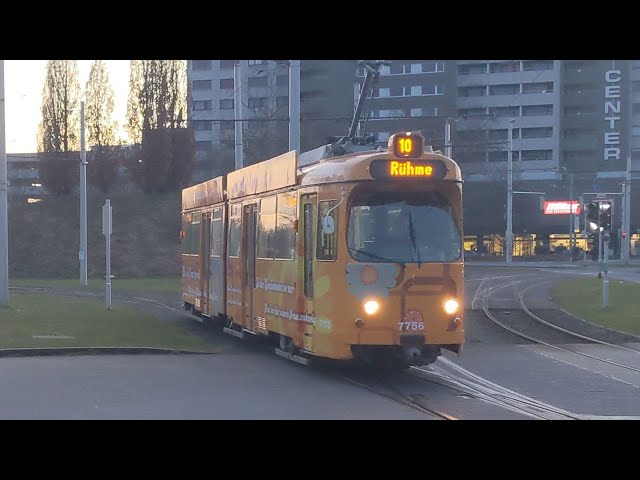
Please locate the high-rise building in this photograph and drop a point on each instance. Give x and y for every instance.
(326, 107)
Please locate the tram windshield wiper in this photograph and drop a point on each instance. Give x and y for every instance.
(378, 257)
(412, 237)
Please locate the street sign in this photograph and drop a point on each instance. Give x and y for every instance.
(106, 231)
(561, 207)
(106, 218)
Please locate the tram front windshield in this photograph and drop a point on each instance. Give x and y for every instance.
(403, 228)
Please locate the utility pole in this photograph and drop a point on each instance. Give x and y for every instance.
(237, 103)
(4, 185)
(447, 139)
(294, 105)
(509, 232)
(83, 201)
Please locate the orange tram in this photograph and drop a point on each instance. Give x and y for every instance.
(335, 254)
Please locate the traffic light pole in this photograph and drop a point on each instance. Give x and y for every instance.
(605, 280)
(600, 239)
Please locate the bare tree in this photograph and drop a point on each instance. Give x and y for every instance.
(103, 165)
(158, 97)
(58, 133)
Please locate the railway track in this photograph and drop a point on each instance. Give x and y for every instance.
(520, 323)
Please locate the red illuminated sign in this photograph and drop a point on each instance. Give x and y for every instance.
(559, 207)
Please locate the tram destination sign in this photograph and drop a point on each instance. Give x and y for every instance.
(399, 169)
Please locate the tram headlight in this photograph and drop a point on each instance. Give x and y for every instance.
(451, 306)
(371, 307)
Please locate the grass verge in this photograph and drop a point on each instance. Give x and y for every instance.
(57, 321)
(583, 298)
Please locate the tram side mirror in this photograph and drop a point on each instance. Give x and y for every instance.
(328, 225)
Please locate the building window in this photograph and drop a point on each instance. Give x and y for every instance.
(538, 132)
(226, 83)
(202, 125)
(227, 125)
(542, 87)
(504, 67)
(384, 92)
(202, 105)
(536, 110)
(472, 91)
(256, 62)
(201, 64)
(416, 112)
(396, 68)
(580, 89)
(202, 84)
(635, 85)
(499, 135)
(257, 81)
(473, 69)
(430, 67)
(392, 113)
(228, 63)
(472, 112)
(537, 155)
(397, 91)
(504, 111)
(498, 156)
(282, 81)
(432, 90)
(226, 104)
(257, 102)
(577, 111)
(635, 108)
(529, 65)
(282, 101)
(635, 131)
(508, 89)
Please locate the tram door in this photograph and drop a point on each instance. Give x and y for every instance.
(250, 216)
(205, 242)
(309, 221)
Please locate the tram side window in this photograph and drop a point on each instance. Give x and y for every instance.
(327, 231)
(216, 233)
(191, 228)
(235, 231)
(285, 236)
(267, 228)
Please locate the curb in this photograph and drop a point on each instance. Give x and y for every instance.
(52, 351)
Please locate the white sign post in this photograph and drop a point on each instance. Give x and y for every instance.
(106, 231)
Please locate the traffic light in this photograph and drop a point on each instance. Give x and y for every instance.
(592, 216)
(605, 216)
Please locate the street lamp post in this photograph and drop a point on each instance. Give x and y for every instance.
(509, 232)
